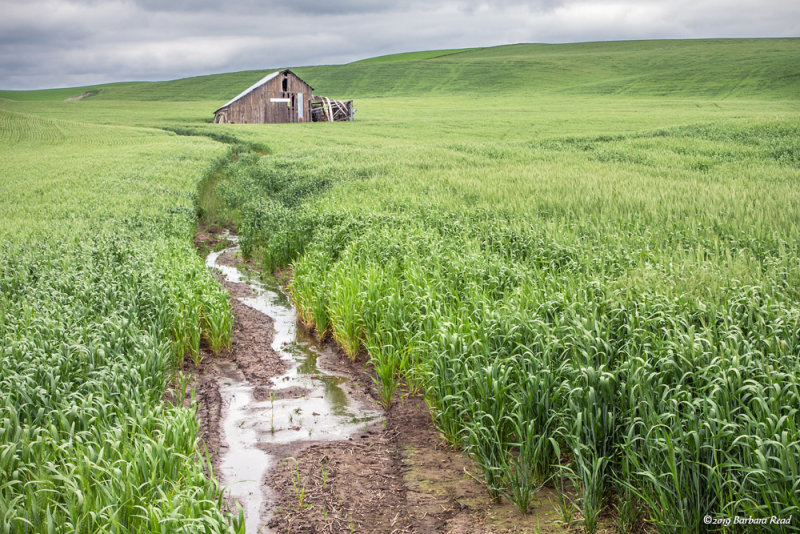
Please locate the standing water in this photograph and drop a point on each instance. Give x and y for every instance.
(305, 404)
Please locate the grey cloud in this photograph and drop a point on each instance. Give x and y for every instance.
(312, 8)
(12, 37)
(306, 7)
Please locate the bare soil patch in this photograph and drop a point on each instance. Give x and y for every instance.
(85, 94)
(395, 477)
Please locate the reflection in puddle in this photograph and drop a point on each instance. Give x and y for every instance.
(243, 466)
(305, 404)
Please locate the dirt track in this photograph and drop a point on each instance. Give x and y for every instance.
(393, 475)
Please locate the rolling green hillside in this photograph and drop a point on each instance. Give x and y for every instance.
(717, 68)
(413, 56)
(759, 68)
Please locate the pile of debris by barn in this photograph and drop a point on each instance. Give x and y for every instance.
(324, 109)
(282, 97)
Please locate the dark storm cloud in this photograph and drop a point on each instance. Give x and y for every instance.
(47, 43)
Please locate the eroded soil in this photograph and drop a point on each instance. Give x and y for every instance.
(391, 475)
(398, 477)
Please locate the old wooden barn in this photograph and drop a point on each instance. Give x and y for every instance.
(278, 97)
(282, 97)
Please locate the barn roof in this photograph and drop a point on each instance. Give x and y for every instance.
(256, 85)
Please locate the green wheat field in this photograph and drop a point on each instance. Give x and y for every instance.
(586, 257)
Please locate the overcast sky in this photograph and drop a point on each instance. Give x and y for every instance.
(58, 43)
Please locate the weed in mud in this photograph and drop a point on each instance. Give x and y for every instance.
(272, 412)
(324, 471)
(564, 504)
(299, 486)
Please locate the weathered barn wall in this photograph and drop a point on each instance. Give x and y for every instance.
(256, 106)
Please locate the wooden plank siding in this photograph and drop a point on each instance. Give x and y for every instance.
(256, 108)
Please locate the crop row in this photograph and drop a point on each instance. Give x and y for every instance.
(91, 330)
(101, 299)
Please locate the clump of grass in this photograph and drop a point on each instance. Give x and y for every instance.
(385, 362)
(345, 312)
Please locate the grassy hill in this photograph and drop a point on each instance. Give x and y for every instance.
(720, 68)
(413, 56)
(715, 68)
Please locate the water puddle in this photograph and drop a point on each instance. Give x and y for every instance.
(304, 404)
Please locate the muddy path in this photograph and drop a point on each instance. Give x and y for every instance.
(296, 436)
